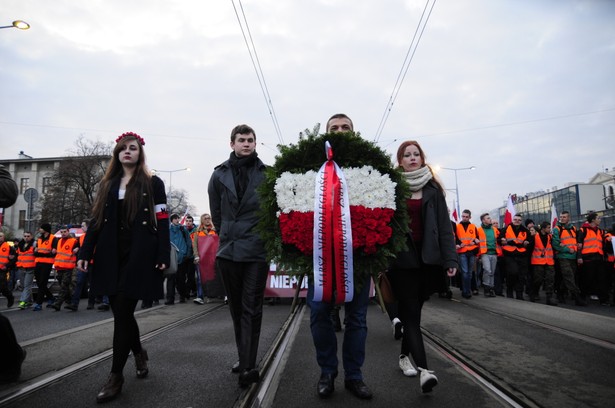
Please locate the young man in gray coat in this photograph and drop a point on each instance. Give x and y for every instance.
(241, 256)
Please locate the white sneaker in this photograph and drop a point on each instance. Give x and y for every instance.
(406, 366)
(199, 301)
(428, 380)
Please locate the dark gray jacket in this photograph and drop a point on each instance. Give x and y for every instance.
(236, 221)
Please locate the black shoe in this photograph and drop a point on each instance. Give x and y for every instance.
(169, 302)
(326, 385)
(399, 331)
(358, 388)
(104, 307)
(74, 308)
(579, 301)
(182, 300)
(111, 389)
(235, 368)
(248, 377)
(10, 300)
(90, 306)
(56, 307)
(141, 364)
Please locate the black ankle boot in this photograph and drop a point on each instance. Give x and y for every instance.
(111, 389)
(141, 363)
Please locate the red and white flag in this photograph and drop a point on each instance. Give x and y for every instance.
(182, 220)
(454, 215)
(510, 211)
(553, 215)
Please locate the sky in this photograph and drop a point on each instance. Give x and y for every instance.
(522, 90)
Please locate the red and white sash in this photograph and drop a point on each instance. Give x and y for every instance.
(333, 261)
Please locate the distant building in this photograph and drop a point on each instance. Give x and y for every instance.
(34, 179)
(579, 199)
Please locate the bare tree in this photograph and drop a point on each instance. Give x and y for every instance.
(177, 202)
(75, 181)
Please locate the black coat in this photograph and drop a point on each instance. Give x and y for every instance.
(150, 245)
(235, 221)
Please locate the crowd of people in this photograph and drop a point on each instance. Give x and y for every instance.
(523, 259)
(131, 245)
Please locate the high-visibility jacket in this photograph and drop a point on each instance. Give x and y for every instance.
(65, 258)
(593, 241)
(517, 239)
(26, 259)
(44, 251)
(5, 251)
(466, 236)
(482, 237)
(568, 238)
(542, 254)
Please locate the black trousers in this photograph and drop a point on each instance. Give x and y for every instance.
(245, 287)
(125, 331)
(41, 274)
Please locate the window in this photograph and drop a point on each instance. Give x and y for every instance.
(46, 184)
(22, 218)
(25, 183)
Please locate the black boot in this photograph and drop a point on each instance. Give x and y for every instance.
(111, 389)
(141, 363)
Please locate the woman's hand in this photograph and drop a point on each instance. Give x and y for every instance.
(451, 272)
(196, 260)
(161, 266)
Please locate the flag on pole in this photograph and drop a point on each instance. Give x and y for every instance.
(182, 220)
(553, 215)
(510, 211)
(454, 215)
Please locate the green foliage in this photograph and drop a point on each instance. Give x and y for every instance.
(349, 150)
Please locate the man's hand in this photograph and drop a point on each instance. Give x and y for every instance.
(82, 265)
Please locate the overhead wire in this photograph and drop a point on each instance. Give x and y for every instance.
(257, 68)
(405, 67)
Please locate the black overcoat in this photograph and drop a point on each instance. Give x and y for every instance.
(150, 245)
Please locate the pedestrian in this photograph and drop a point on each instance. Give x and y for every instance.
(128, 240)
(416, 274)
(489, 251)
(543, 262)
(205, 228)
(64, 264)
(514, 241)
(241, 256)
(467, 249)
(185, 263)
(564, 241)
(26, 263)
(7, 254)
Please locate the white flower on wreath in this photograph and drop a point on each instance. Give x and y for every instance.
(367, 187)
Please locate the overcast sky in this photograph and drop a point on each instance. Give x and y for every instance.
(524, 90)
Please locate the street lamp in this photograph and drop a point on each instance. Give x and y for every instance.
(456, 184)
(170, 174)
(22, 25)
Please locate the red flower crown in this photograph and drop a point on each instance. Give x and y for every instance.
(136, 136)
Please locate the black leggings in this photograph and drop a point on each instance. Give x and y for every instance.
(125, 331)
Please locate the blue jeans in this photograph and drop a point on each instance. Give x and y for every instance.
(466, 263)
(28, 279)
(355, 333)
(199, 285)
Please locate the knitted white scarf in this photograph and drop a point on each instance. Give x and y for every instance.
(418, 178)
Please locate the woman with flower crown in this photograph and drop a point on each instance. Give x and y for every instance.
(416, 274)
(128, 240)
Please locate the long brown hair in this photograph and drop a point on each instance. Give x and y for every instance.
(139, 184)
(400, 155)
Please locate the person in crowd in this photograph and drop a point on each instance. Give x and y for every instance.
(128, 240)
(514, 241)
(241, 256)
(181, 239)
(416, 274)
(64, 264)
(489, 248)
(7, 253)
(533, 230)
(543, 263)
(191, 277)
(206, 227)
(467, 249)
(564, 241)
(82, 277)
(26, 263)
(44, 252)
(610, 263)
(323, 323)
(12, 354)
(498, 275)
(591, 239)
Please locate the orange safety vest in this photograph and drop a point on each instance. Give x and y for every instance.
(466, 236)
(510, 236)
(26, 259)
(44, 247)
(483, 241)
(592, 243)
(542, 255)
(65, 258)
(568, 238)
(5, 251)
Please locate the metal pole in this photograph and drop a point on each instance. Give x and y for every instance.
(457, 193)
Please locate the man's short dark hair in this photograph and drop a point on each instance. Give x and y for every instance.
(189, 217)
(466, 211)
(482, 216)
(242, 130)
(592, 216)
(174, 217)
(544, 224)
(340, 116)
(565, 212)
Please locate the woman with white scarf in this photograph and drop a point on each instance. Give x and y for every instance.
(418, 273)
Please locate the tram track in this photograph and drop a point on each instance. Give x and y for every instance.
(23, 389)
